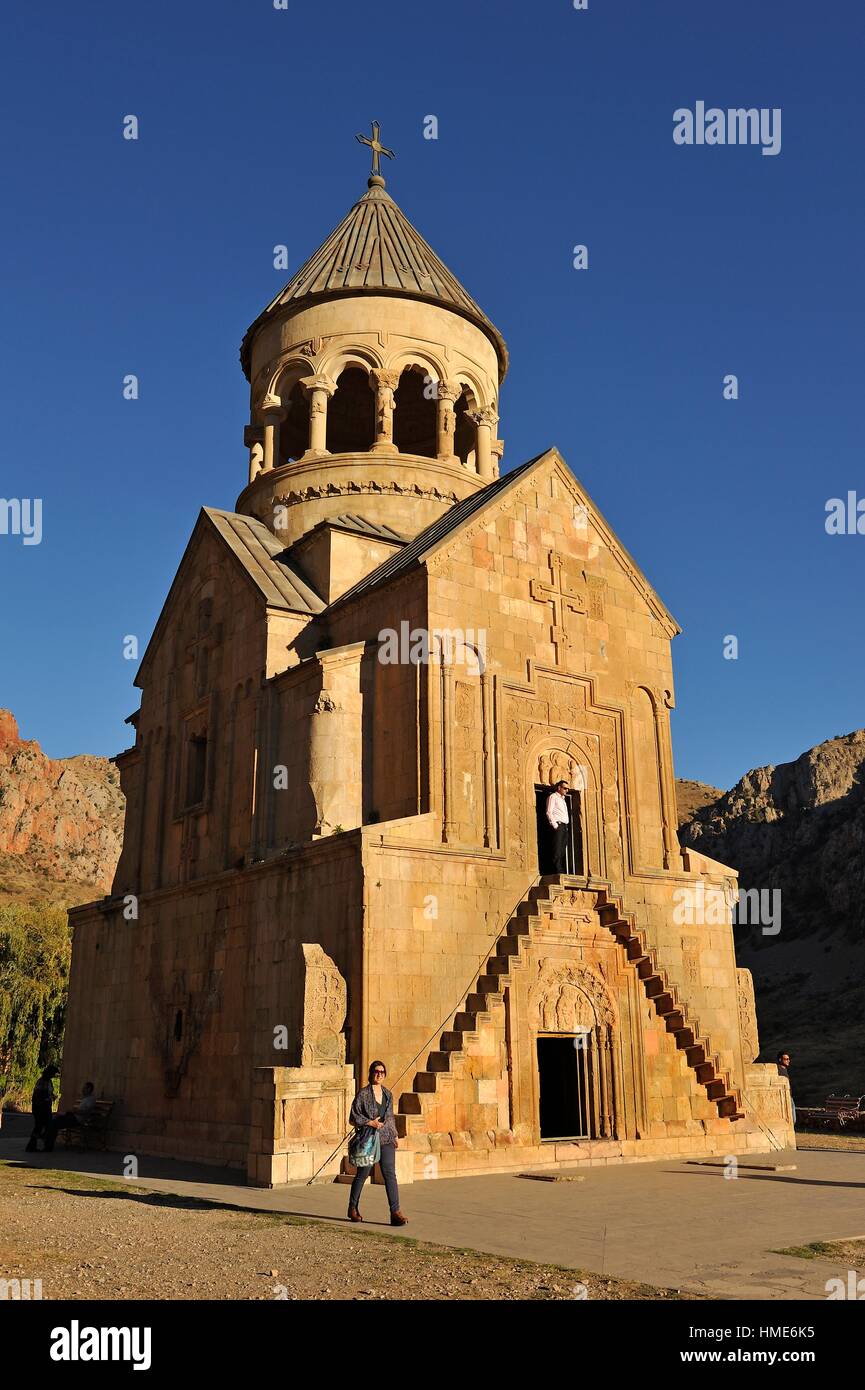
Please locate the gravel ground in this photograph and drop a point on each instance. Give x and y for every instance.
(824, 1139)
(86, 1238)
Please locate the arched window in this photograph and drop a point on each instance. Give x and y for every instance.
(351, 414)
(466, 432)
(294, 430)
(415, 414)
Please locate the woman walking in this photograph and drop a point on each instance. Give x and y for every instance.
(374, 1141)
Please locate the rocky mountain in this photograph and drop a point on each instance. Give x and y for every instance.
(691, 797)
(61, 822)
(799, 830)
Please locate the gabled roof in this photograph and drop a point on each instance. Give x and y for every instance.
(262, 557)
(376, 250)
(429, 540)
(265, 561)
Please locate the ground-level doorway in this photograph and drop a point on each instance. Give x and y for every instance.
(565, 1078)
(574, 843)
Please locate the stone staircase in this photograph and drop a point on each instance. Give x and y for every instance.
(483, 1007)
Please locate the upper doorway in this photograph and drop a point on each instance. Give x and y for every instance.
(574, 862)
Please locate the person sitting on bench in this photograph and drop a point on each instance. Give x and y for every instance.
(73, 1119)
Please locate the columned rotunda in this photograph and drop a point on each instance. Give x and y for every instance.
(363, 684)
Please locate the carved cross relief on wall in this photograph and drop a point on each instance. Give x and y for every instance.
(567, 594)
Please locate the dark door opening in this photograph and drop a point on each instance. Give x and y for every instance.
(574, 843)
(565, 1085)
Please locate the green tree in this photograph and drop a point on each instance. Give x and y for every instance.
(35, 946)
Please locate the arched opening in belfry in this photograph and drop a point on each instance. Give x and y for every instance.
(466, 431)
(415, 414)
(351, 413)
(294, 429)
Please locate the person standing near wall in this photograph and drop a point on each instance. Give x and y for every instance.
(374, 1141)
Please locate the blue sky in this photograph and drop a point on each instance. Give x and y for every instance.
(555, 128)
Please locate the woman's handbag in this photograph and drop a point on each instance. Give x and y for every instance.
(364, 1148)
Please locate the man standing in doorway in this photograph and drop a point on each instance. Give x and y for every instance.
(557, 819)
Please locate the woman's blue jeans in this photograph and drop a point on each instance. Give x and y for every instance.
(388, 1170)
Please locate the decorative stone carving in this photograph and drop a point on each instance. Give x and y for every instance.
(324, 1009)
(597, 591)
(310, 494)
(386, 383)
(564, 597)
(464, 703)
(446, 395)
(325, 704)
(568, 997)
(691, 960)
(556, 766)
(747, 1015)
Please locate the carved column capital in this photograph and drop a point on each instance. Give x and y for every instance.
(312, 384)
(272, 410)
(448, 391)
(385, 378)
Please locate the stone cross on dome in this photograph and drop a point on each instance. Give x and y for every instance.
(378, 149)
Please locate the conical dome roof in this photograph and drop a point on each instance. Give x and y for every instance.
(376, 250)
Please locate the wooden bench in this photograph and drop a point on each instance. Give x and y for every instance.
(846, 1110)
(836, 1112)
(92, 1127)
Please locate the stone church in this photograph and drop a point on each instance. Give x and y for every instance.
(363, 683)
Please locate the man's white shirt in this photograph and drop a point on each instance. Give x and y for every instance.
(557, 810)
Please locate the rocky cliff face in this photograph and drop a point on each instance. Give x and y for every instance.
(61, 822)
(799, 828)
(691, 797)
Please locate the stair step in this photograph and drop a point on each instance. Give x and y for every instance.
(489, 986)
(452, 1041)
(407, 1125)
(439, 1061)
(476, 1004)
(409, 1104)
(425, 1082)
(508, 947)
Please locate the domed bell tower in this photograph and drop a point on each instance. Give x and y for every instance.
(374, 382)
